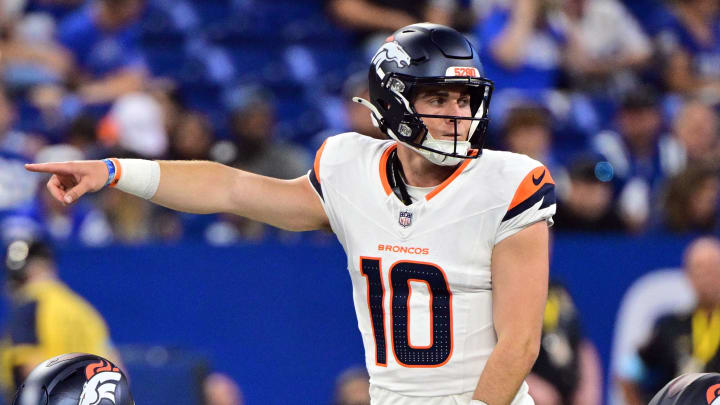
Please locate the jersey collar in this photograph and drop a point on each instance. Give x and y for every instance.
(390, 185)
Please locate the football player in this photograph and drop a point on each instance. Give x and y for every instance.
(447, 243)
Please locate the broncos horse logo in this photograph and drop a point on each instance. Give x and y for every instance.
(390, 51)
(102, 380)
(711, 395)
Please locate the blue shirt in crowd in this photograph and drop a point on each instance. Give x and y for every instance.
(541, 63)
(704, 57)
(99, 52)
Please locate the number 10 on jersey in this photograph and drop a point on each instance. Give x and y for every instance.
(401, 273)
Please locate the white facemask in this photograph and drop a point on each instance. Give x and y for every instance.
(446, 146)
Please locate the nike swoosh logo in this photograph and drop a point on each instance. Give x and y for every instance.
(539, 179)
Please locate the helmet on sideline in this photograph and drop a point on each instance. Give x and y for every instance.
(75, 379)
(690, 389)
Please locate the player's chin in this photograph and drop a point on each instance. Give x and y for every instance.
(450, 137)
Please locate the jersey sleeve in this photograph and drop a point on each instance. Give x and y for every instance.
(314, 173)
(533, 201)
(326, 158)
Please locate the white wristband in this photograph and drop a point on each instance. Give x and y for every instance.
(477, 402)
(138, 177)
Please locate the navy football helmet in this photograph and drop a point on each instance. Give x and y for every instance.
(690, 389)
(419, 55)
(75, 379)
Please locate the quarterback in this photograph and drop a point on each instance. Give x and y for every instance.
(447, 243)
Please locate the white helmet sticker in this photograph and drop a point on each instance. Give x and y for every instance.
(390, 51)
(462, 71)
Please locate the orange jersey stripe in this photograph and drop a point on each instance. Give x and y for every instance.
(316, 165)
(452, 177)
(383, 168)
(531, 184)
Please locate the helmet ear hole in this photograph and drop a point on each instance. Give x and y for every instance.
(383, 104)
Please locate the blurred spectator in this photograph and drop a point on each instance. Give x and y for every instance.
(46, 318)
(634, 151)
(390, 15)
(103, 38)
(252, 126)
(528, 130)
(81, 223)
(690, 45)
(82, 135)
(691, 200)
(603, 60)
(358, 118)
(168, 97)
(30, 55)
(10, 11)
(11, 140)
(601, 63)
(135, 124)
(130, 218)
(681, 342)
(253, 148)
(219, 389)
(192, 138)
(587, 205)
(695, 129)
(352, 387)
(375, 20)
(568, 370)
(17, 187)
(57, 8)
(344, 115)
(522, 46)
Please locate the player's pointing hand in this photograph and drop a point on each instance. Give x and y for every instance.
(71, 180)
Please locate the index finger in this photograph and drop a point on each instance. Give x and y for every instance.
(58, 167)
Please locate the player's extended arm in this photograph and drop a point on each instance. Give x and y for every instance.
(203, 187)
(520, 279)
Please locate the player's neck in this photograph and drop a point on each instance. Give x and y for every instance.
(420, 172)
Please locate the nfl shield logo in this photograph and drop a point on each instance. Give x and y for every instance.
(405, 218)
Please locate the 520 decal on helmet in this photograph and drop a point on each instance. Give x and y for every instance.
(427, 55)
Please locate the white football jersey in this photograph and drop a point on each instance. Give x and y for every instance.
(421, 273)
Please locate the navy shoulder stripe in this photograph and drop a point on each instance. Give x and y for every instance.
(546, 193)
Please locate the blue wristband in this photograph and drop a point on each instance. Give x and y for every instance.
(111, 171)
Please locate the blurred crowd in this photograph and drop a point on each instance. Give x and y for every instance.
(618, 98)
